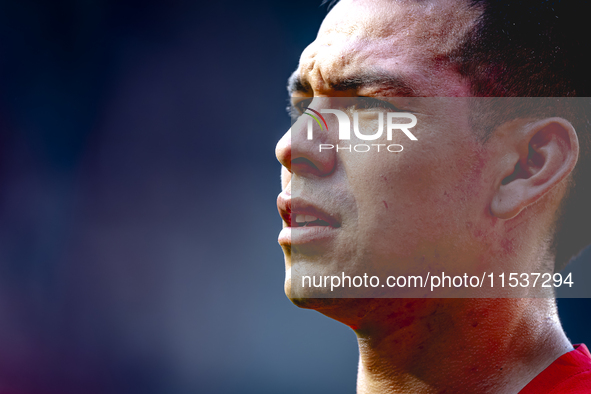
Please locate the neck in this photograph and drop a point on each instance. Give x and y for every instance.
(439, 345)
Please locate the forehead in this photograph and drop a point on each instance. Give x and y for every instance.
(409, 37)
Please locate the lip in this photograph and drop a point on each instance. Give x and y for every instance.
(292, 234)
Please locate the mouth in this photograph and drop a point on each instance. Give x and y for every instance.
(298, 212)
(304, 221)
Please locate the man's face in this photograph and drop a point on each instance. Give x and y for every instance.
(388, 213)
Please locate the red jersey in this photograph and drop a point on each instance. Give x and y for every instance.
(569, 374)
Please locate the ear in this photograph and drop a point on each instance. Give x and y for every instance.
(542, 154)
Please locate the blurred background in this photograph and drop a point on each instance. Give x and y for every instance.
(138, 181)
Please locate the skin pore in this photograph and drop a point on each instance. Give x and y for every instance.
(499, 203)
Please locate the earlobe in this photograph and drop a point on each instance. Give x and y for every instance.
(545, 153)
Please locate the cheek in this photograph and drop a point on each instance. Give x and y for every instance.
(412, 197)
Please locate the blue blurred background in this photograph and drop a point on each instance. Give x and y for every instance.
(138, 182)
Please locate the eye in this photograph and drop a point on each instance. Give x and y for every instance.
(296, 109)
(371, 102)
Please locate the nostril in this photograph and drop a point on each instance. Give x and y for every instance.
(302, 162)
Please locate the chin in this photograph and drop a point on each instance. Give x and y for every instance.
(313, 303)
(307, 298)
(353, 312)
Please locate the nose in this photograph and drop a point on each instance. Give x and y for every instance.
(304, 156)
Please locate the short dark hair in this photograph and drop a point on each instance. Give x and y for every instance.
(537, 48)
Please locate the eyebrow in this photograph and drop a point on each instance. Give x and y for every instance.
(400, 85)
